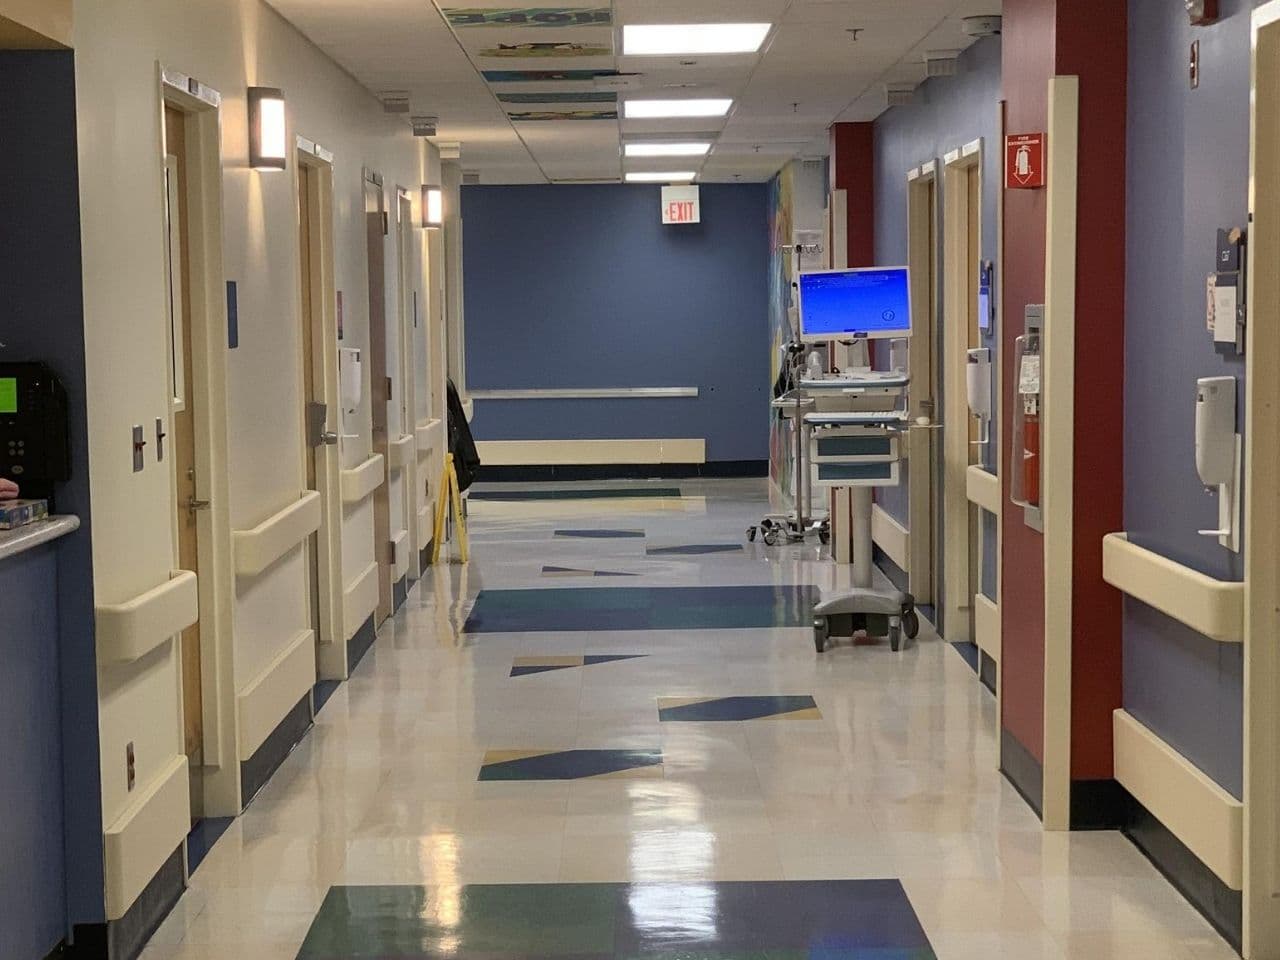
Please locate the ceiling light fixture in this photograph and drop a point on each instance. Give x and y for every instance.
(660, 177)
(667, 149)
(681, 39)
(674, 109)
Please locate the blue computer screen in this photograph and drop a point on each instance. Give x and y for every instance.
(871, 303)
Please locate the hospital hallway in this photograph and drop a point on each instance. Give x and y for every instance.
(610, 736)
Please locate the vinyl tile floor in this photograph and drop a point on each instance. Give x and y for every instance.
(874, 825)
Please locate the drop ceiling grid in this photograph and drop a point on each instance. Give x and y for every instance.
(809, 60)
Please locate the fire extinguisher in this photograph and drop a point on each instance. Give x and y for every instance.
(1031, 449)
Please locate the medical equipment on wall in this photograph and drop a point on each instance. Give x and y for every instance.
(1025, 475)
(859, 304)
(986, 296)
(978, 381)
(1218, 453)
(1227, 293)
(35, 446)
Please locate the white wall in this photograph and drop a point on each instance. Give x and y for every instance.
(229, 45)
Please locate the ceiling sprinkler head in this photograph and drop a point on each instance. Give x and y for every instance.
(855, 32)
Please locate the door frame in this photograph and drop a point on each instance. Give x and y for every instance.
(207, 292)
(957, 451)
(331, 645)
(922, 394)
(383, 551)
(406, 374)
(1261, 933)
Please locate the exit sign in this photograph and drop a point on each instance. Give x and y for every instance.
(681, 205)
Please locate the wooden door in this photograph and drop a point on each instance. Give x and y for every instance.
(188, 504)
(973, 266)
(314, 414)
(379, 390)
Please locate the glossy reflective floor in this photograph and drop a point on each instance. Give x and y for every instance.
(698, 834)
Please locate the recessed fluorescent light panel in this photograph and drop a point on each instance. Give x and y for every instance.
(685, 39)
(660, 177)
(667, 149)
(674, 109)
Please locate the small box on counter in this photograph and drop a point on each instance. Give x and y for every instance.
(18, 513)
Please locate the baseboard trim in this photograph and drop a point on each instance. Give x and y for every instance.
(399, 592)
(424, 556)
(1023, 771)
(124, 939)
(1204, 890)
(360, 643)
(897, 576)
(266, 760)
(1099, 805)
(716, 470)
(988, 670)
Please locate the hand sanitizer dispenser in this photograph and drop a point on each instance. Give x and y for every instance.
(351, 379)
(1218, 453)
(978, 380)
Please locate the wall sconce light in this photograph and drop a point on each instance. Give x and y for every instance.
(267, 129)
(432, 207)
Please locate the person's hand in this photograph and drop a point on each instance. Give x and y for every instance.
(8, 490)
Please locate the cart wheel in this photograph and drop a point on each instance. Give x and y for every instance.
(771, 536)
(820, 632)
(911, 624)
(895, 639)
(751, 534)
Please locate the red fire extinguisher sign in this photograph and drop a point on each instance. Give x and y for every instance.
(1024, 161)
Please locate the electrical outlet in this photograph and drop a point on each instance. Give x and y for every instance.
(130, 766)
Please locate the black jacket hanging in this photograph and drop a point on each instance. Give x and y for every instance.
(466, 459)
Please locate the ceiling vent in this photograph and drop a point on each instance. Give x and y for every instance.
(470, 178)
(425, 126)
(450, 150)
(980, 27)
(941, 63)
(899, 94)
(621, 81)
(395, 101)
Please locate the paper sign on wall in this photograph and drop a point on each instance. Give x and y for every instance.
(1024, 161)
(681, 205)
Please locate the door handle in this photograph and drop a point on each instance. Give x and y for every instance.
(193, 505)
(329, 438)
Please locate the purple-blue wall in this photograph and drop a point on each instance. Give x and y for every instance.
(945, 114)
(582, 286)
(50, 803)
(1188, 176)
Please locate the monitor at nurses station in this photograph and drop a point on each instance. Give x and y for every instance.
(867, 303)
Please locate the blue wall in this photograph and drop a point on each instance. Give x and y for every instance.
(945, 114)
(1188, 175)
(582, 286)
(50, 806)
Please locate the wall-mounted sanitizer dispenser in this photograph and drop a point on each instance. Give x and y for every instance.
(1218, 454)
(978, 380)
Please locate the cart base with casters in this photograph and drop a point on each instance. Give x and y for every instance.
(778, 529)
(881, 613)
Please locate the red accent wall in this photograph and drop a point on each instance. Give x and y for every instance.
(1092, 41)
(853, 170)
(1028, 53)
(1088, 39)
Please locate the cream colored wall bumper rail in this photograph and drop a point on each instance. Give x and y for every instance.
(359, 482)
(258, 548)
(1195, 809)
(601, 393)
(1212, 607)
(983, 489)
(403, 452)
(130, 630)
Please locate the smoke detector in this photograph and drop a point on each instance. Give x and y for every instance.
(395, 101)
(979, 27)
(425, 126)
(899, 94)
(941, 63)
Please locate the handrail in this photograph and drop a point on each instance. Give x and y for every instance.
(129, 631)
(261, 546)
(1209, 606)
(587, 393)
(428, 433)
(403, 451)
(983, 488)
(361, 481)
